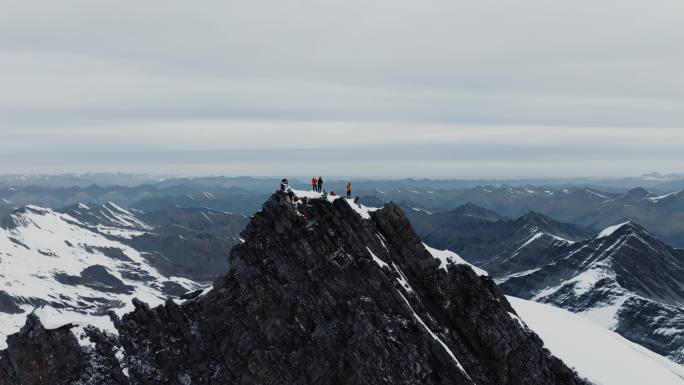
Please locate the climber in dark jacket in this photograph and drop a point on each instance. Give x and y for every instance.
(286, 189)
(320, 183)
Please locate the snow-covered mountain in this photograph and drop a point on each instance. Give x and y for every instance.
(322, 291)
(602, 356)
(55, 265)
(76, 264)
(192, 242)
(488, 241)
(624, 279)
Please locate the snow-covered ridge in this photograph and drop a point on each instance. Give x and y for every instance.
(657, 199)
(608, 231)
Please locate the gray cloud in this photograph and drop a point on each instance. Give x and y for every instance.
(413, 88)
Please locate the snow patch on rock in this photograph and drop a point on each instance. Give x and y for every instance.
(447, 257)
(608, 231)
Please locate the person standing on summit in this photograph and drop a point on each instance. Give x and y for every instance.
(320, 184)
(349, 190)
(314, 184)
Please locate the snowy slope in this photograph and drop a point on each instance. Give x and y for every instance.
(54, 264)
(602, 356)
(624, 280)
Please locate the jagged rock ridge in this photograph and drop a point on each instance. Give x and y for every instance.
(319, 295)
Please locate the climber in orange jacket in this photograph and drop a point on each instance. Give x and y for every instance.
(349, 190)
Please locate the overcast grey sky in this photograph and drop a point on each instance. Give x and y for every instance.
(370, 88)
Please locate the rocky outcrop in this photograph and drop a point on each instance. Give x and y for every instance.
(319, 295)
(40, 356)
(37, 356)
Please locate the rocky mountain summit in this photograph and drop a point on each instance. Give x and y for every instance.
(321, 292)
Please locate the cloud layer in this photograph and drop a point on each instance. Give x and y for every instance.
(388, 88)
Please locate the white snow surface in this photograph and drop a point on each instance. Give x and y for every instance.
(447, 257)
(377, 260)
(661, 197)
(503, 279)
(362, 210)
(608, 231)
(46, 243)
(602, 356)
(607, 199)
(606, 314)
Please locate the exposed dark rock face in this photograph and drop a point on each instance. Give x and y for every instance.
(37, 356)
(8, 304)
(318, 295)
(304, 303)
(97, 277)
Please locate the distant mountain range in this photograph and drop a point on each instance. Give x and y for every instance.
(623, 278)
(185, 228)
(662, 214)
(346, 270)
(321, 291)
(653, 181)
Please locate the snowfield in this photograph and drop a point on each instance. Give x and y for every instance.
(54, 265)
(599, 355)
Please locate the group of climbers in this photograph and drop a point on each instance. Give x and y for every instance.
(317, 186)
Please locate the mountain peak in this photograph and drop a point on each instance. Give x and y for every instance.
(542, 223)
(475, 211)
(621, 229)
(21, 217)
(325, 291)
(536, 218)
(634, 195)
